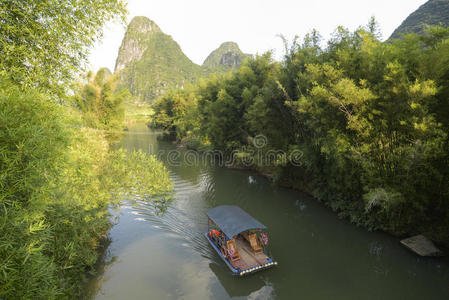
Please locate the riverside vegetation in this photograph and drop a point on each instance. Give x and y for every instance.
(59, 173)
(370, 118)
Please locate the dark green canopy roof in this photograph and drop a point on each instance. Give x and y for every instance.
(232, 220)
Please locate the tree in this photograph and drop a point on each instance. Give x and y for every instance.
(45, 42)
(100, 103)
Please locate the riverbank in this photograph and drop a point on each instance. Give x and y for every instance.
(137, 111)
(369, 142)
(303, 188)
(277, 175)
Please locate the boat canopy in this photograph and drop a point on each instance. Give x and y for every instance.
(232, 220)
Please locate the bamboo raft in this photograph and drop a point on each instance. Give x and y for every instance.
(239, 240)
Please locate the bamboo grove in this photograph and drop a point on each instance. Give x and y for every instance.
(58, 171)
(370, 119)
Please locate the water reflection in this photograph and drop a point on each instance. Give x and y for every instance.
(96, 279)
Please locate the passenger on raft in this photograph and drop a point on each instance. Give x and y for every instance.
(214, 232)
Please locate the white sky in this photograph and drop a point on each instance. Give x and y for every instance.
(200, 26)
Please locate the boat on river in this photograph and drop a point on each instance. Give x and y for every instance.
(239, 239)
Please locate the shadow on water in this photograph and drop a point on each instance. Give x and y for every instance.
(250, 285)
(93, 285)
(158, 250)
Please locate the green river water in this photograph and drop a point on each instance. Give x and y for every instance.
(158, 250)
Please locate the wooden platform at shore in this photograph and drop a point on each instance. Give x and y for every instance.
(422, 246)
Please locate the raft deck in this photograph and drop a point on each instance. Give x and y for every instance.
(247, 257)
(248, 263)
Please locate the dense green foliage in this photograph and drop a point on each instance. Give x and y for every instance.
(432, 13)
(150, 62)
(176, 113)
(44, 42)
(56, 183)
(101, 105)
(57, 175)
(368, 121)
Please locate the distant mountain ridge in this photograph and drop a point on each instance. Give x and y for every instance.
(150, 62)
(133, 44)
(433, 13)
(227, 55)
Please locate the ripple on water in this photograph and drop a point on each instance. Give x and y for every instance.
(183, 216)
(321, 257)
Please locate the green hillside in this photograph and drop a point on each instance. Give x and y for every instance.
(433, 12)
(150, 62)
(228, 55)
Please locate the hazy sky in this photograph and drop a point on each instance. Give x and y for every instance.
(200, 26)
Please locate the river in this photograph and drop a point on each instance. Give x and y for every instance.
(157, 250)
